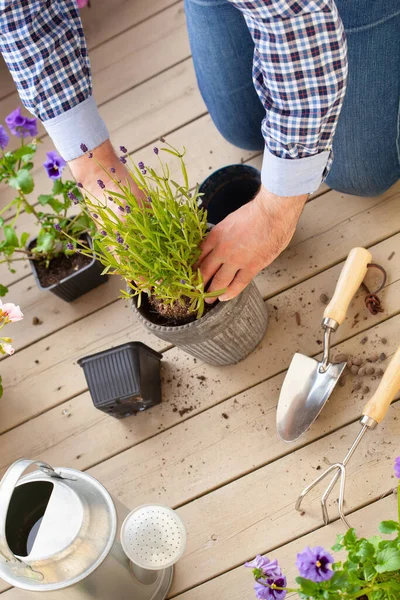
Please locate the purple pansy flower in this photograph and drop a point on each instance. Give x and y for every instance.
(313, 564)
(4, 139)
(54, 165)
(397, 467)
(268, 567)
(21, 126)
(269, 591)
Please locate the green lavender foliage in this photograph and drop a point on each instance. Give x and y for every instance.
(153, 242)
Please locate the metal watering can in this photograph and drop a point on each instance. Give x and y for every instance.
(59, 535)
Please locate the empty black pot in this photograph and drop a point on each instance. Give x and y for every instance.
(228, 189)
(124, 380)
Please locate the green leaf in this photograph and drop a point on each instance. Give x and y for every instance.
(388, 560)
(3, 292)
(23, 181)
(44, 199)
(307, 586)
(1, 221)
(389, 527)
(44, 242)
(23, 240)
(25, 152)
(11, 237)
(1, 387)
(58, 186)
(365, 550)
(49, 199)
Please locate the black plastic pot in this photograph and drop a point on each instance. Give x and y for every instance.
(228, 189)
(124, 380)
(75, 285)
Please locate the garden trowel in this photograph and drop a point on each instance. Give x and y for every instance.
(308, 382)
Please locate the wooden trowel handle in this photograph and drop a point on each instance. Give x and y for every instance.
(379, 404)
(351, 277)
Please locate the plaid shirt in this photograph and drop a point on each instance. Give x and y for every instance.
(300, 70)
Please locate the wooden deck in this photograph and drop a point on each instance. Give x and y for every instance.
(221, 463)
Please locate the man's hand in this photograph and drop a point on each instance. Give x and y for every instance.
(248, 240)
(104, 166)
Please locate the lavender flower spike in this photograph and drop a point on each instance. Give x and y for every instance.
(70, 246)
(141, 165)
(122, 159)
(123, 149)
(84, 148)
(57, 227)
(397, 467)
(313, 564)
(100, 183)
(155, 150)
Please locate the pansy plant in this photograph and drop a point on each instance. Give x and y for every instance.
(152, 241)
(57, 231)
(370, 570)
(9, 313)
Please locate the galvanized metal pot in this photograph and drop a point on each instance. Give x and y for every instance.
(59, 537)
(223, 336)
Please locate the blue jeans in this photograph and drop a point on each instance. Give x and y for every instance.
(366, 144)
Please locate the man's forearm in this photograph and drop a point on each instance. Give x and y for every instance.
(44, 47)
(300, 71)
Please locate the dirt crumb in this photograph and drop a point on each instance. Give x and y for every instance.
(36, 321)
(324, 299)
(364, 340)
(298, 319)
(391, 255)
(225, 416)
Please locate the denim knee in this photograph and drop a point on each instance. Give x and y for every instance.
(361, 180)
(239, 132)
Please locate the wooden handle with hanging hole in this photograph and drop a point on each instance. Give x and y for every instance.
(377, 407)
(352, 275)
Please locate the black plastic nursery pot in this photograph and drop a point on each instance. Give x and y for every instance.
(123, 380)
(227, 189)
(230, 331)
(75, 285)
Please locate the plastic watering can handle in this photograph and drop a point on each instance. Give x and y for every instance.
(7, 486)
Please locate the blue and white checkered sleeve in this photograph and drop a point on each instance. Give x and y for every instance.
(300, 73)
(44, 47)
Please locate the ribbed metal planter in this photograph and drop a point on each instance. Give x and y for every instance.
(223, 336)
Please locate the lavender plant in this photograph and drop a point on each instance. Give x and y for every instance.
(58, 233)
(371, 570)
(153, 241)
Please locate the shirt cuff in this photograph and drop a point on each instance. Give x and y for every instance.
(293, 177)
(79, 125)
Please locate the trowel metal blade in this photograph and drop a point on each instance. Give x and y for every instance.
(304, 392)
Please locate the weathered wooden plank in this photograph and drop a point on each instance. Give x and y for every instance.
(256, 513)
(32, 388)
(52, 312)
(238, 583)
(170, 456)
